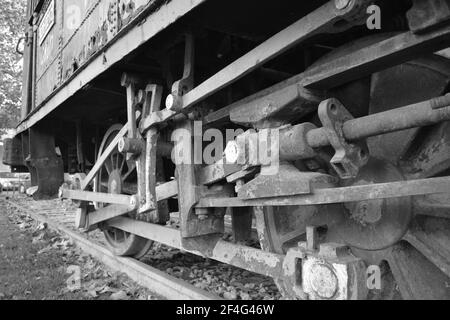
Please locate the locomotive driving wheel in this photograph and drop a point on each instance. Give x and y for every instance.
(408, 238)
(118, 176)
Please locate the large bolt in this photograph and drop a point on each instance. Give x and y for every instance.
(174, 102)
(133, 146)
(232, 152)
(134, 202)
(341, 4)
(323, 281)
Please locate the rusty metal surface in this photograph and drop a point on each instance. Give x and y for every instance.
(289, 181)
(426, 14)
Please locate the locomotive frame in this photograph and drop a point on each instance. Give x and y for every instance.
(333, 171)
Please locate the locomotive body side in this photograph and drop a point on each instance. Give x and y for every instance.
(75, 41)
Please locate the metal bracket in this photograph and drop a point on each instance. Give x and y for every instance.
(289, 181)
(349, 157)
(149, 160)
(186, 84)
(325, 271)
(130, 82)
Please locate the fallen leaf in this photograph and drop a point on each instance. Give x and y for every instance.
(107, 289)
(93, 293)
(45, 250)
(120, 295)
(23, 225)
(41, 226)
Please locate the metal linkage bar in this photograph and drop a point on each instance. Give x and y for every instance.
(163, 192)
(254, 260)
(101, 160)
(340, 195)
(109, 198)
(381, 55)
(318, 21)
(105, 214)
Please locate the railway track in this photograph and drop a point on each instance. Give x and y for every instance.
(151, 271)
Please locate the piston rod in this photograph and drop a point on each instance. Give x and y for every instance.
(417, 115)
(300, 142)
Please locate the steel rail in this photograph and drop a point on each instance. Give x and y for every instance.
(153, 279)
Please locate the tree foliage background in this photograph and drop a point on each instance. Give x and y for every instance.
(12, 22)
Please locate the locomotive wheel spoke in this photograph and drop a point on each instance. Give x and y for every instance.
(433, 206)
(416, 276)
(430, 154)
(108, 166)
(432, 239)
(412, 234)
(129, 188)
(122, 164)
(129, 172)
(118, 170)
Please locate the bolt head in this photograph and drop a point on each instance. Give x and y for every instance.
(323, 281)
(134, 201)
(170, 101)
(121, 145)
(232, 152)
(342, 4)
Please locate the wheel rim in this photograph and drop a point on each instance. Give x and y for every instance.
(116, 176)
(416, 261)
